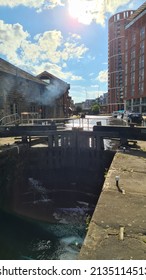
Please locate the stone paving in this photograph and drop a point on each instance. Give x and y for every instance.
(117, 230)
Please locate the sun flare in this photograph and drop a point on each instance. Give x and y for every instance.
(81, 10)
(86, 11)
(73, 8)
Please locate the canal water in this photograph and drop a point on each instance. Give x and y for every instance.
(59, 240)
(25, 239)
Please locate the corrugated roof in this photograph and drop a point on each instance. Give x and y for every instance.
(9, 68)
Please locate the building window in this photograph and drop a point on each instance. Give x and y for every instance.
(133, 54)
(142, 33)
(13, 108)
(118, 16)
(141, 87)
(33, 108)
(144, 100)
(46, 81)
(136, 101)
(141, 75)
(126, 80)
(126, 68)
(132, 90)
(133, 39)
(125, 94)
(132, 78)
(141, 47)
(132, 66)
(126, 44)
(126, 57)
(1, 101)
(141, 61)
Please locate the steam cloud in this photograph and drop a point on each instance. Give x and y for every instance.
(52, 92)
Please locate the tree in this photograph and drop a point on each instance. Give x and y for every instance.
(78, 110)
(95, 109)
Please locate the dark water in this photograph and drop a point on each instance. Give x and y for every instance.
(23, 239)
(62, 239)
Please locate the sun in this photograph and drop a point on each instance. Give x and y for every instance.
(80, 10)
(73, 8)
(87, 11)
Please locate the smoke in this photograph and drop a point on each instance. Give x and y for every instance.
(17, 88)
(20, 88)
(6, 87)
(53, 91)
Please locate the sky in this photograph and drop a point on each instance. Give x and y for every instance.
(67, 38)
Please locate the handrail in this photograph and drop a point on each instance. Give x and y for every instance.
(10, 119)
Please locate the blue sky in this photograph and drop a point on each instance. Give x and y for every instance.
(68, 38)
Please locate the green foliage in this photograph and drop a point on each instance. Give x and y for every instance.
(78, 109)
(95, 109)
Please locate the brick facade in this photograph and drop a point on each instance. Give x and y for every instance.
(135, 62)
(127, 61)
(116, 54)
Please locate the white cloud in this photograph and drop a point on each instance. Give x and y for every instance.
(39, 5)
(95, 86)
(93, 10)
(11, 38)
(103, 76)
(112, 5)
(47, 51)
(73, 50)
(85, 11)
(75, 78)
(74, 35)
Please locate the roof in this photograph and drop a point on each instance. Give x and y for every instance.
(137, 12)
(9, 68)
(48, 76)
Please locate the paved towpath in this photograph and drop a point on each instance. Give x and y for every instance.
(123, 208)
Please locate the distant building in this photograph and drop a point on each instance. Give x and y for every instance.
(103, 102)
(88, 104)
(22, 92)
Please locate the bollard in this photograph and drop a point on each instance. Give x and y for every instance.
(121, 233)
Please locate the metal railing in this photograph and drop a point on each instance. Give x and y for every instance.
(10, 119)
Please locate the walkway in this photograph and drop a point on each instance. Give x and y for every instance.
(115, 210)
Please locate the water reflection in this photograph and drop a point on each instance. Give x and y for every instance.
(26, 239)
(20, 239)
(88, 122)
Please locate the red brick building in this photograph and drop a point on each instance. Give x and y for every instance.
(57, 95)
(116, 56)
(135, 62)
